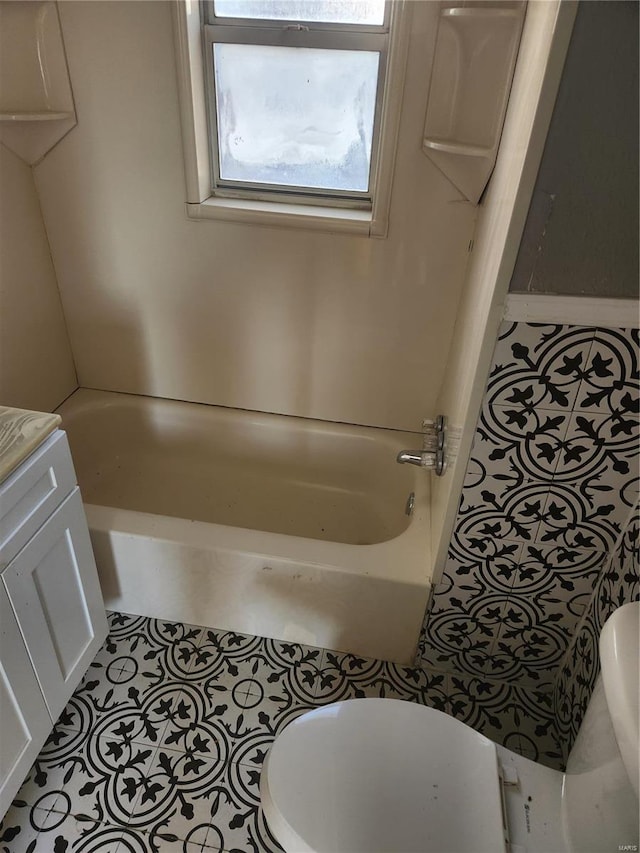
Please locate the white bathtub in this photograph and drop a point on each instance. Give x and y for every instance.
(263, 524)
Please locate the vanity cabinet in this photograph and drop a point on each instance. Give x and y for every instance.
(53, 616)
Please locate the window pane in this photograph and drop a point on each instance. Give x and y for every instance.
(369, 12)
(300, 117)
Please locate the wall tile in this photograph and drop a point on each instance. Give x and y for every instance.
(538, 366)
(574, 518)
(478, 566)
(618, 583)
(519, 718)
(493, 509)
(552, 476)
(518, 440)
(610, 379)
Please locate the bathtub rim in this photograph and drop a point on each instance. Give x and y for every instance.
(417, 532)
(395, 559)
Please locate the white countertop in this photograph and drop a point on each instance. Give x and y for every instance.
(21, 432)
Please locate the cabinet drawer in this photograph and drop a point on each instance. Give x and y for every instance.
(32, 492)
(54, 590)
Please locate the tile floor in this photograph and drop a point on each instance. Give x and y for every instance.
(161, 746)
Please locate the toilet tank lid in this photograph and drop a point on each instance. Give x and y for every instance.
(619, 660)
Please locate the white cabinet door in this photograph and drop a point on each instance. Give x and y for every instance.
(24, 720)
(32, 492)
(54, 589)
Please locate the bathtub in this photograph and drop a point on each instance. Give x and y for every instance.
(278, 526)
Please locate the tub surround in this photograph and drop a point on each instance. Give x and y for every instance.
(283, 527)
(157, 304)
(21, 432)
(36, 364)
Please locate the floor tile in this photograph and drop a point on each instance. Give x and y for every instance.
(246, 691)
(50, 827)
(177, 794)
(347, 676)
(141, 653)
(251, 832)
(17, 830)
(161, 747)
(135, 841)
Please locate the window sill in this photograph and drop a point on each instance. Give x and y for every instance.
(278, 214)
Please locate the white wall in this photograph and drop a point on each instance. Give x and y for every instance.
(327, 326)
(36, 367)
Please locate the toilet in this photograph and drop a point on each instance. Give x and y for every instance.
(374, 775)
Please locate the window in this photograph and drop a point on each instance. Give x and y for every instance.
(297, 106)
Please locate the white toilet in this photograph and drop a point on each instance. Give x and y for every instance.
(371, 775)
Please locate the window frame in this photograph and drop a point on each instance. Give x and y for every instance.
(290, 207)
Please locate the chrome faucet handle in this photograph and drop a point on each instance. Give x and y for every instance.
(432, 455)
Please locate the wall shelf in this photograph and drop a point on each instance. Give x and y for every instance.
(461, 148)
(46, 115)
(480, 13)
(476, 50)
(36, 102)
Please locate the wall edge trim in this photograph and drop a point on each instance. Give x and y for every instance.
(573, 310)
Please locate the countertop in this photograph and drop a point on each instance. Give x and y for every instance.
(21, 432)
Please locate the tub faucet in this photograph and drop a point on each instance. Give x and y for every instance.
(415, 457)
(432, 455)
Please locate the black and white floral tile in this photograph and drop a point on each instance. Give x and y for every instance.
(617, 585)
(552, 477)
(161, 747)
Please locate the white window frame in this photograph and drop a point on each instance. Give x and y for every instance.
(369, 217)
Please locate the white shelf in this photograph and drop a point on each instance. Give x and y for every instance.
(476, 49)
(44, 115)
(478, 14)
(462, 148)
(37, 108)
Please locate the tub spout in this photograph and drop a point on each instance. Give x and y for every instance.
(415, 457)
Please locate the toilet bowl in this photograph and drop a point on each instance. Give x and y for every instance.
(369, 775)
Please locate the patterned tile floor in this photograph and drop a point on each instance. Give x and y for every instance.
(161, 746)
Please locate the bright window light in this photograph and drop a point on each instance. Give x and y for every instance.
(295, 117)
(324, 11)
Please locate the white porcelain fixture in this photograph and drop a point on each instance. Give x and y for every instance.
(283, 527)
(373, 775)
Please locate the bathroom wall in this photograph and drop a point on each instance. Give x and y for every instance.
(492, 556)
(581, 235)
(36, 366)
(502, 215)
(618, 584)
(550, 483)
(322, 325)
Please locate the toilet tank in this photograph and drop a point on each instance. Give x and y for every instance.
(600, 788)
